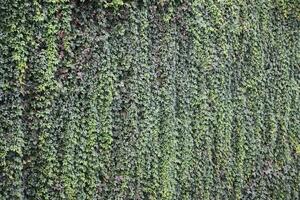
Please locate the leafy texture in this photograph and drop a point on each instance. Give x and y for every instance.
(149, 99)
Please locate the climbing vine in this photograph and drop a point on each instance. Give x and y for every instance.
(149, 99)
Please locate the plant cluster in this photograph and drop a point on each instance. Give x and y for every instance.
(148, 99)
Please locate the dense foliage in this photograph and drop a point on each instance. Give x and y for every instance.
(149, 99)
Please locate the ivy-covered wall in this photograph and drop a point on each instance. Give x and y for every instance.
(149, 99)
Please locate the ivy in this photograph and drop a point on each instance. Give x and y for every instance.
(115, 99)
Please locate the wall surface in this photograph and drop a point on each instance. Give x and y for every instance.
(149, 99)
